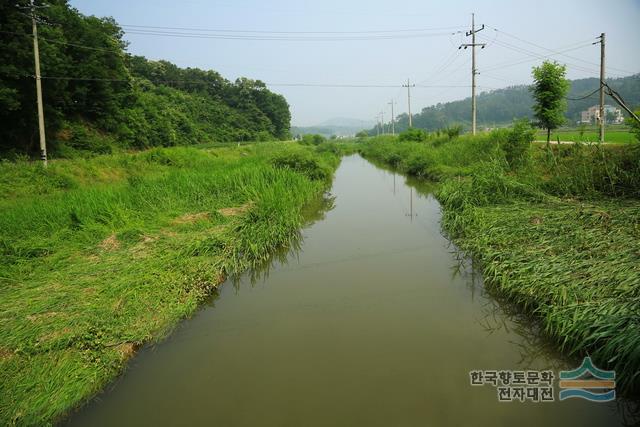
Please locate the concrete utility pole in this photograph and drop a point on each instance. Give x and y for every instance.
(382, 120)
(473, 45)
(603, 117)
(393, 119)
(409, 86)
(36, 56)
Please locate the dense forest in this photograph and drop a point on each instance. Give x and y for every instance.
(98, 97)
(501, 106)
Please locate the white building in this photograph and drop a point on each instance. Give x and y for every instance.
(613, 115)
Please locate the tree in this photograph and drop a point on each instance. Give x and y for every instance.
(549, 89)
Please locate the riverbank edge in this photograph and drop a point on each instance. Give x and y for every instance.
(240, 218)
(462, 226)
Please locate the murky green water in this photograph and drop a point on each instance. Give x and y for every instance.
(373, 322)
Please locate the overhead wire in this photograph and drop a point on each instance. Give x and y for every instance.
(555, 52)
(152, 27)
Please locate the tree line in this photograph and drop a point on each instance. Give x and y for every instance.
(502, 106)
(97, 96)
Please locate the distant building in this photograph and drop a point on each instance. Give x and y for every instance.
(613, 115)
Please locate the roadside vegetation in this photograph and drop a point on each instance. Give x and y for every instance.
(100, 256)
(555, 229)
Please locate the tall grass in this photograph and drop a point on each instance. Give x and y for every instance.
(557, 233)
(91, 272)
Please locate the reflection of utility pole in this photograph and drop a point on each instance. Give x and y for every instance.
(394, 183)
(411, 205)
(409, 86)
(393, 118)
(473, 45)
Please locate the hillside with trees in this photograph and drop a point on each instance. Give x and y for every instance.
(499, 107)
(98, 97)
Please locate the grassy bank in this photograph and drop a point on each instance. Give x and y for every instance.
(555, 229)
(101, 256)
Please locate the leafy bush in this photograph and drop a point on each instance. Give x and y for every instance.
(517, 142)
(453, 131)
(413, 134)
(329, 147)
(312, 139)
(304, 163)
(263, 136)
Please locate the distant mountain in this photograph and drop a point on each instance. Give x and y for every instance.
(346, 122)
(339, 126)
(501, 106)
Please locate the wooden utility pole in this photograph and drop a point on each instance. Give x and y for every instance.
(393, 119)
(473, 45)
(603, 117)
(36, 56)
(409, 86)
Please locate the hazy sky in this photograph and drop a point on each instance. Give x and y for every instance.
(514, 31)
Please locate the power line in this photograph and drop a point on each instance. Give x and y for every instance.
(538, 56)
(288, 32)
(284, 38)
(301, 84)
(585, 96)
(535, 57)
(555, 52)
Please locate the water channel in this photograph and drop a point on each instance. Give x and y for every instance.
(374, 321)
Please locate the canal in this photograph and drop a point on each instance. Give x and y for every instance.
(375, 320)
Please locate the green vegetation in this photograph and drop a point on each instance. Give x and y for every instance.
(102, 255)
(499, 107)
(613, 134)
(555, 230)
(550, 87)
(98, 98)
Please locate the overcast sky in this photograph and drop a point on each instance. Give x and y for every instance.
(514, 31)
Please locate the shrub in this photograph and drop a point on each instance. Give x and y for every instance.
(517, 142)
(413, 134)
(303, 163)
(311, 139)
(263, 136)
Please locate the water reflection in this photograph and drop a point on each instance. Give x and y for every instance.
(365, 318)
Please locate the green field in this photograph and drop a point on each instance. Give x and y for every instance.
(612, 135)
(102, 255)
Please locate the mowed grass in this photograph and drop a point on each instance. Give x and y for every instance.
(126, 247)
(559, 236)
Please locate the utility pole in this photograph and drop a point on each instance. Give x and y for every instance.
(382, 120)
(409, 86)
(393, 119)
(473, 45)
(36, 56)
(603, 117)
